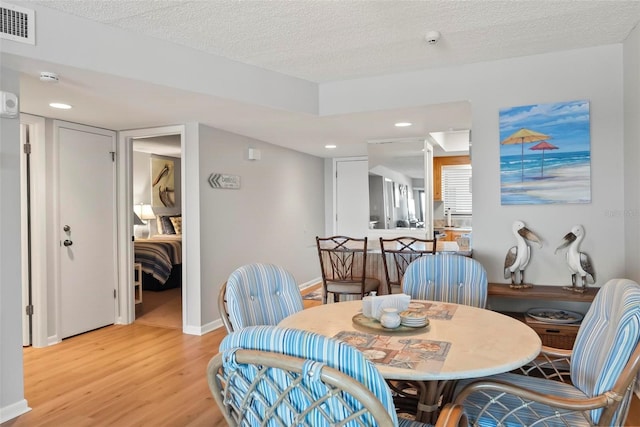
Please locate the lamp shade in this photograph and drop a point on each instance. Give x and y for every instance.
(146, 212)
(137, 220)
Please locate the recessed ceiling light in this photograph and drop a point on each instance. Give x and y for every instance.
(403, 124)
(60, 106)
(330, 146)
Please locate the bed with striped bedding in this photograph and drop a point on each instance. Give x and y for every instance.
(161, 260)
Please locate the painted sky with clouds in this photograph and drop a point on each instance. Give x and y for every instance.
(567, 124)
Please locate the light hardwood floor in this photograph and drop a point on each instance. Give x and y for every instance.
(134, 375)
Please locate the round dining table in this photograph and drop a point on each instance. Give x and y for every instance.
(459, 342)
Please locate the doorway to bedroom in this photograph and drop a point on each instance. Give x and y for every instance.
(157, 205)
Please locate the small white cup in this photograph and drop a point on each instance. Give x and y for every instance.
(390, 318)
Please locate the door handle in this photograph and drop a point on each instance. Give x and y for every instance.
(67, 242)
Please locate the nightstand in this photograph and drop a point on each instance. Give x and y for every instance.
(137, 282)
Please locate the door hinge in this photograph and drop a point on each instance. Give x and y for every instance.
(29, 310)
(114, 294)
(113, 155)
(27, 148)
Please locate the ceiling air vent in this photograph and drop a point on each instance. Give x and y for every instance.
(17, 24)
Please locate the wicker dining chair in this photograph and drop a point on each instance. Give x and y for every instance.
(270, 376)
(398, 253)
(343, 264)
(447, 278)
(440, 277)
(604, 364)
(258, 294)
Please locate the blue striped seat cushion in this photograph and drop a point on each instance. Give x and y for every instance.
(261, 294)
(447, 278)
(607, 336)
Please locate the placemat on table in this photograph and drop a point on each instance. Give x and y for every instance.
(398, 352)
(438, 310)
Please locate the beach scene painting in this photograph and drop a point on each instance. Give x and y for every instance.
(545, 154)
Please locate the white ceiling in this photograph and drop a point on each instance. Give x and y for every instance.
(319, 41)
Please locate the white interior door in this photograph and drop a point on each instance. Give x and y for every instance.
(86, 228)
(352, 197)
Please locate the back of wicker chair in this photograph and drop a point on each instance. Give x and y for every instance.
(270, 376)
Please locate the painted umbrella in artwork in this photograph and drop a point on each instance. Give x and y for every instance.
(524, 136)
(544, 145)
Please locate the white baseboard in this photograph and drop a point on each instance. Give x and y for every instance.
(204, 329)
(11, 411)
(310, 283)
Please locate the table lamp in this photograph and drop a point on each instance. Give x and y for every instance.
(145, 212)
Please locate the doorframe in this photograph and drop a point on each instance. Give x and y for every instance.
(37, 126)
(125, 209)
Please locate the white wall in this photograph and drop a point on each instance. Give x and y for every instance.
(632, 153)
(274, 217)
(12, 402)
(593, 74)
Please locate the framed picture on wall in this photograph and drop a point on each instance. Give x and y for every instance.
(162, 183)
(545, 154)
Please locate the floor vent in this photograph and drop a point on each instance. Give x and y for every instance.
(17, 24)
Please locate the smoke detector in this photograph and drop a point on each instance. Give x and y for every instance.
(432, 37)
(49, 77)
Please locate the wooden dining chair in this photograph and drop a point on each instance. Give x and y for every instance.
(273, 376)
(604, 363)
(343, 263)
(398, 253)
(258, 294)
(447, 278)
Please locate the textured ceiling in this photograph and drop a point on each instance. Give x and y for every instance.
(334, 40)
(319, 41)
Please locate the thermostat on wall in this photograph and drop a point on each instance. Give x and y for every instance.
(253, 154)
(8, 105)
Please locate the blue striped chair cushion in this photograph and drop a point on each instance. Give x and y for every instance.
(607, 336)
(308, 345)
(447, 278)
(261, 294)
(537, 412)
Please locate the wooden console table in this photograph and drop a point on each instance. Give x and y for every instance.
(552, 335)
(542, 292)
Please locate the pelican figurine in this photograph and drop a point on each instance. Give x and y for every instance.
(579, 263)
(518, 256)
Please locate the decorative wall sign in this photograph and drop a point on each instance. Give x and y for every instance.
(219, 180)
(162, 183)
(545, 154)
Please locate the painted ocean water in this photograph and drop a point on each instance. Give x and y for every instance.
(565, 177)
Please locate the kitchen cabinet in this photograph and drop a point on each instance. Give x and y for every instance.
(438, 163)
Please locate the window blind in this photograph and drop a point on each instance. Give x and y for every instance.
(456, 188)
